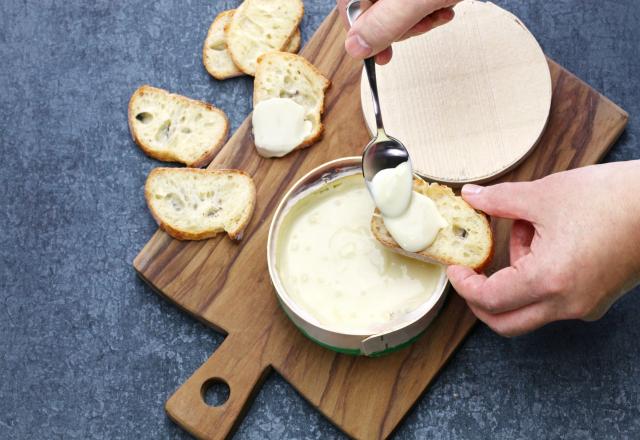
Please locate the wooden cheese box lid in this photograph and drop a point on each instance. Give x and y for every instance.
(470, 99)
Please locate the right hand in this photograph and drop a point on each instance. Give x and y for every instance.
(387, 21)
(574, 247)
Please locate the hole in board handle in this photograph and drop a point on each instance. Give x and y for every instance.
(215, 392)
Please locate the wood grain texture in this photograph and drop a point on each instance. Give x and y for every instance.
(227, 285)
(469, 100)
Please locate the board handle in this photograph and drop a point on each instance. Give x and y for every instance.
(233, 363)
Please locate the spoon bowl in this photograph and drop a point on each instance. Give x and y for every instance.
(383, 152)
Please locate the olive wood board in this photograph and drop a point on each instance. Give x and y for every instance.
(226, 284)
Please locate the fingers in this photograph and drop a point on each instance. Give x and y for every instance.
(500, 301)
(386, 21)
(385, 56)
(517, 322)
(438, 18)
(520, 241)
(341, 5)
(508, 289)
(507, 200)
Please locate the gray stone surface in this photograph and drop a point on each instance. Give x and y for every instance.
(89, 351)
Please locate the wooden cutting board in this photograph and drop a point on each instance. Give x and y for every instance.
(227, 285)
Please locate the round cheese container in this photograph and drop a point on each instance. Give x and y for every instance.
(337, 284)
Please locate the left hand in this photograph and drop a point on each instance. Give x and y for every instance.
(574, 247)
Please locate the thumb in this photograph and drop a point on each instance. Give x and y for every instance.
(506, 200)
(386, 21)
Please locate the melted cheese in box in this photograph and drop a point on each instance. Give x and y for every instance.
(333, 268)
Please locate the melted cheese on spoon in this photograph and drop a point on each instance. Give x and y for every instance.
(391, 189)
(412, 219)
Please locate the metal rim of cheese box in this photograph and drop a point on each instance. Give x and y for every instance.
(397, 336)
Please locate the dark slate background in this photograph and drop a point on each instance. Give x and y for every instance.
(87, 350)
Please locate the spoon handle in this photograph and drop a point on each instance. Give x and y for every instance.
(353, 12)
(370, 67)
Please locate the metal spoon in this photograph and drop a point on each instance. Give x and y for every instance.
(383, 151)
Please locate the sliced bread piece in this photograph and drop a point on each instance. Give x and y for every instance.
(215, 55)
(261, 26)
(293, 46)
(466, 241)
(194, 204)
(285, 75)
(173, 128)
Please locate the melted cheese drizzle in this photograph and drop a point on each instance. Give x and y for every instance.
(416, 228)
(332, 267)
(412, 219)
(391, 189)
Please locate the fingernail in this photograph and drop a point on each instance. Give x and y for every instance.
(471, 190)
(357, 47)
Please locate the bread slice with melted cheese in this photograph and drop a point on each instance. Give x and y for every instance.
(285, 75)
(194, 204)
(174, 128)
(215, 55)
(466, 241)
(261, 26)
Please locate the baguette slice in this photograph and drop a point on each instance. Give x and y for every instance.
(294, 43)
(194, 204)
(173, 128)
(285, 75)
(215, 56)
(261, 26)
(466, 241)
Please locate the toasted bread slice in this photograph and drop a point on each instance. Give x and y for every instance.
(285, 75)
(261, 26)
(194, 204)
(466, 241)
(293, 46)
(173, 128)
(215, 56)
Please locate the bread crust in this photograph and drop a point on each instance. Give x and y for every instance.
(326, 84)
(234, 57)
(293, 46)
(380, 232)
(295, 42)
(212, 71)
(235, 234)
(205, 158)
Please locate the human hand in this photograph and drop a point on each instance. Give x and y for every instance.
(574, 248)
(386, 21)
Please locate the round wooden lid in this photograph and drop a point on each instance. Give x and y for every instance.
(470, 99)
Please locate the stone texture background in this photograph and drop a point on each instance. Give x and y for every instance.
(87, 350)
